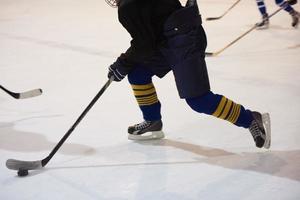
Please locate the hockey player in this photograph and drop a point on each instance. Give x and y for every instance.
(286, 5)
(169, 37)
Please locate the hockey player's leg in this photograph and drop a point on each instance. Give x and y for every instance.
(145, 94)
(224, 108)
(295, 18)
(265, 18)
(287, 7)
(281, 3)
(264, 24)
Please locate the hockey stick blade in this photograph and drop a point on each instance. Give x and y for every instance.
(31, 93)
(14, 164)
(210, 54)
(25, 165)
(212, 18)
(23, 95)
(215, 18)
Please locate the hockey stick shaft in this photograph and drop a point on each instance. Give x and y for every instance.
(22, 95)
(60, 143)
(241, 36)
(33, 165)
(215, 18)
(15, 95)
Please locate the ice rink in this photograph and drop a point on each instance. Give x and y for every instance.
(65, 48)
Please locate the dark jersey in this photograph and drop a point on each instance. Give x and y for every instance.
(144, 20)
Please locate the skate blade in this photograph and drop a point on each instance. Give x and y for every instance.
(155, 135)
(262, 27)
(267, 126)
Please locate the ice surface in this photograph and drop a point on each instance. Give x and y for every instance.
(65, 47)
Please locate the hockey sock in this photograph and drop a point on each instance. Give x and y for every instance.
(147, 100)
(221, 107)
(144, 91)
(261, 6)
(287, 7)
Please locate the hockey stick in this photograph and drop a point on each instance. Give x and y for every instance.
(32, 165)
(241, 36)
(215, 18)
(23, 95)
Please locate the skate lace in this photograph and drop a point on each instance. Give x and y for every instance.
(255, 130)
(142, 125)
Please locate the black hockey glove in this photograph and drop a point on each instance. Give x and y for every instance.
(292, 2)
(117, 70)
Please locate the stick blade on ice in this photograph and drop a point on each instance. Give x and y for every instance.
(14, 164)
(25, 165)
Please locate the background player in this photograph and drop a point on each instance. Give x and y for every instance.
(286, 5)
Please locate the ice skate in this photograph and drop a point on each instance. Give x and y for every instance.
(260, 129)
(146, 130)
(264, 24)
(295, 18)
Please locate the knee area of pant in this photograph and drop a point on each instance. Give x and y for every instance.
(204, 103)
(139, 77)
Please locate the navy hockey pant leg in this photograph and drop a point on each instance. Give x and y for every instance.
(221, 107)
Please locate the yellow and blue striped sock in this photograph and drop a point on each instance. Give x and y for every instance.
(228, 110)
(147, 100)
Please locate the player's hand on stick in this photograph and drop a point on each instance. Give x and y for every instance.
(117, 71)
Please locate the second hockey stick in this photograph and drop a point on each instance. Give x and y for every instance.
(241, 36)
(215, 18)
(33, 165)
(23, 95)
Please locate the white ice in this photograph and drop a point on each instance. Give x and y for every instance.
(65, 47)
